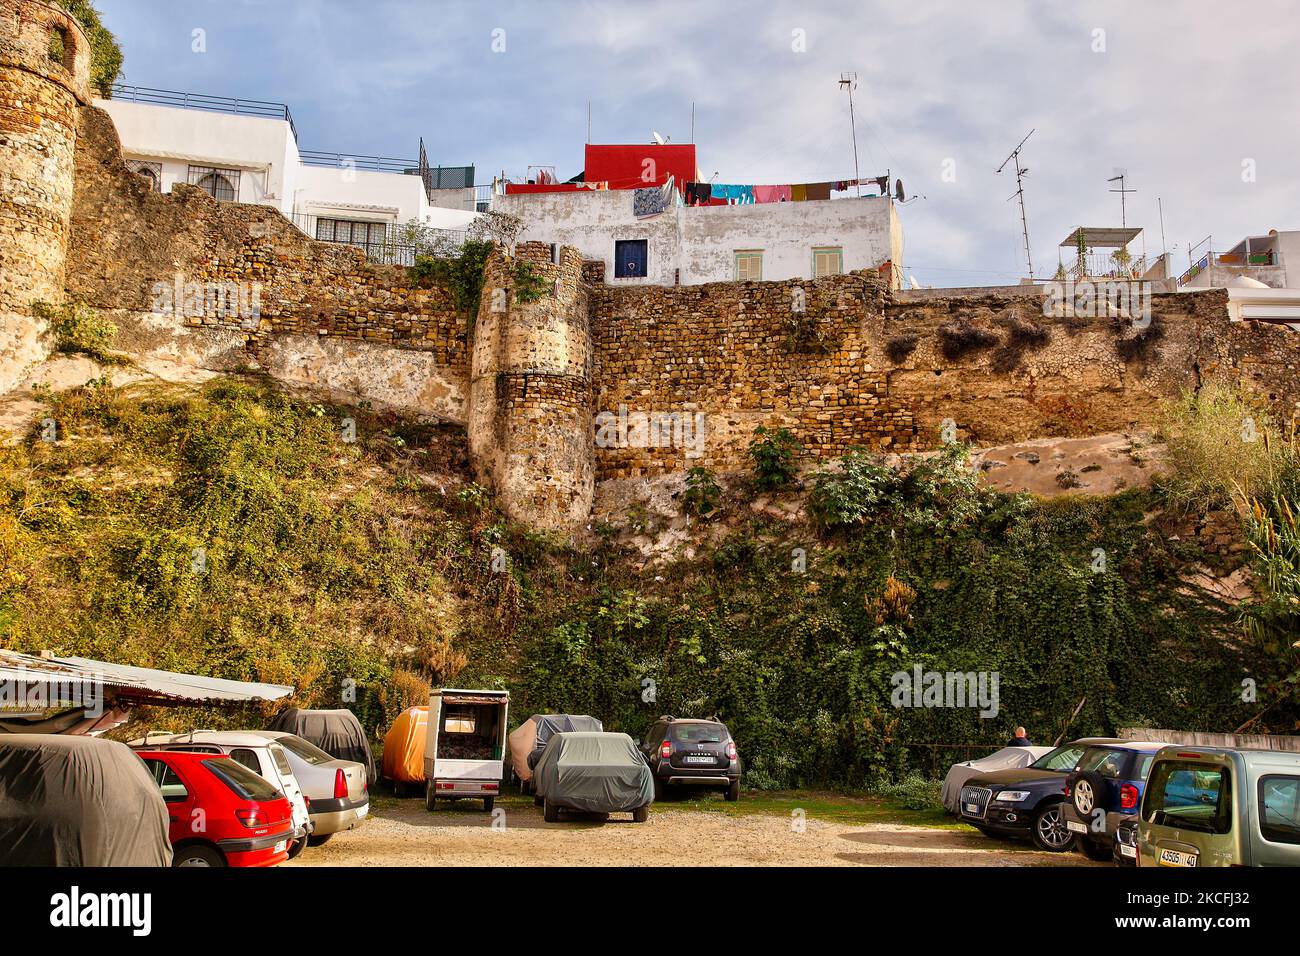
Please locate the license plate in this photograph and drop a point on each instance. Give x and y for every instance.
(279, 847)
(1176, 858)
(708, 760)
(1075, 827)
(971, 808)
(362, 811)
(1129, 851)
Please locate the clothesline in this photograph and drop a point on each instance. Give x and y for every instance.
(702, 194)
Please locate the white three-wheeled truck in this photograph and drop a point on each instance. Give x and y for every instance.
(464, 753)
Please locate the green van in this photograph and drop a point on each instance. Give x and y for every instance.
(1214, 806)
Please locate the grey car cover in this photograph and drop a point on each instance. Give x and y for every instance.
(337, 732)
(548, 725)
(78, 801)
(594, 772)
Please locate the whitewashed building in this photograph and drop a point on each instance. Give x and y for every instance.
(247, 151)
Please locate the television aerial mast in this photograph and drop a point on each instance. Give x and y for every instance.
(849, 82)
(1119, 178)
(1020, 194)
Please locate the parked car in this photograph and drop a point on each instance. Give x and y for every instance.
(78, 801)
(1126, 836)
(593, 772)
(221, 813)
(1026, 802)
(1218, 806)
(465, 745)
(402, 762)
(337, 732)
(527, 741)
(1104, 788)
(696, 753)
(337, 796)
(1008, 758)
(259, 754)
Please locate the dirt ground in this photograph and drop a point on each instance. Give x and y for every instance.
(403, 833)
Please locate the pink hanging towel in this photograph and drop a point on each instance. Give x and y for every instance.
(772, 193)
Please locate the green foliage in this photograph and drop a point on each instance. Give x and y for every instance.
(914, 792)
(461, 274)
(76, 327)
(702, 493)
(526, 284)
(854, 493)
(1220, 441)
(105, 54)
(773, 453)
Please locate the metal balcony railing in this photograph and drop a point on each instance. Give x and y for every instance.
(202, 101)
(389, 243)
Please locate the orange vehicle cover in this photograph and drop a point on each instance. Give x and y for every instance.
(404, 746)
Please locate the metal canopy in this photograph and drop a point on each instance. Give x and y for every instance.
(133, 685)
(1101, 237)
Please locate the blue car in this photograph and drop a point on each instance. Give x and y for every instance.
(1104, 789)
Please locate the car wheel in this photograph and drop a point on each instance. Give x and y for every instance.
(1050, 832)
(487, 803)
(197, 856)
(733, 791)
(319, 840)
(1089, 793)
(296, 847)
(429, 799)
(1096, 850)
(550, 812)
(640, 814)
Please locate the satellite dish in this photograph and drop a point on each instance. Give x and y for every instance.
(898, 190)
(659, 139)
(912, 280)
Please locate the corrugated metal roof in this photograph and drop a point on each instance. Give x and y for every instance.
(139, 685)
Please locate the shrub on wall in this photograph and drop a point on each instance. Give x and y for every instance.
(461, 274)
(105, 54)
(76, 327)
(900, 347)
(961, 337)
(773, 453)
(702, 493)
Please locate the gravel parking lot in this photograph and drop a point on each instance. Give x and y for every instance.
(403, 833)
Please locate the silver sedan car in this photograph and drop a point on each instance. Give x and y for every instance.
(338, 797)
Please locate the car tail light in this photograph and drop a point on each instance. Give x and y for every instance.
(251, 818)
(1128, 796)
(491, 786)
(731, 750)
(1067, 788)
(340, 785)
(1192, 756)
(666, 749)
(307, 800)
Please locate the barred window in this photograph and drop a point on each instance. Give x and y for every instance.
(221, 184)
(352, 232)
(150, 172)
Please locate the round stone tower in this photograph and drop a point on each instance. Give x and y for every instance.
(530, 424)
(44, 78)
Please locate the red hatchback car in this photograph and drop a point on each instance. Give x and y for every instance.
(222, 814)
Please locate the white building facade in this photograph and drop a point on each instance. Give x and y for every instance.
(690, 245)
(247, 151)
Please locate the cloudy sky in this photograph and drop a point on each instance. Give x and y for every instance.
(1196, 101)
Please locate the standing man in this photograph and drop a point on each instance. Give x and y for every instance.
(1019, 740)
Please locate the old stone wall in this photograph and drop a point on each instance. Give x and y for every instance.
(189, 273)
(857, 368)
(530, 431)
(44, 70)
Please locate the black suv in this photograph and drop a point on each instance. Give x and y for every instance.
(1026, 801)
(697, 753)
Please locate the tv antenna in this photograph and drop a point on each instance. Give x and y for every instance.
(1119, 178)
(1020, 194)
(849, 82)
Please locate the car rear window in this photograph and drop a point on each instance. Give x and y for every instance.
(242, 782)
(1062, 758)
(698, 733)
(1108, 762)
(281, 761)
(1279, 808)
(305, 749)
(1189, 795)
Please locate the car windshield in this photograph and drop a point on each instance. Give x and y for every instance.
(305, 749)
(1062, 758)
(699, 733)
(1189, 795)
(242, 782)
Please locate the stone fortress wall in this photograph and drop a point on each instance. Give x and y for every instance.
(591, 381)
